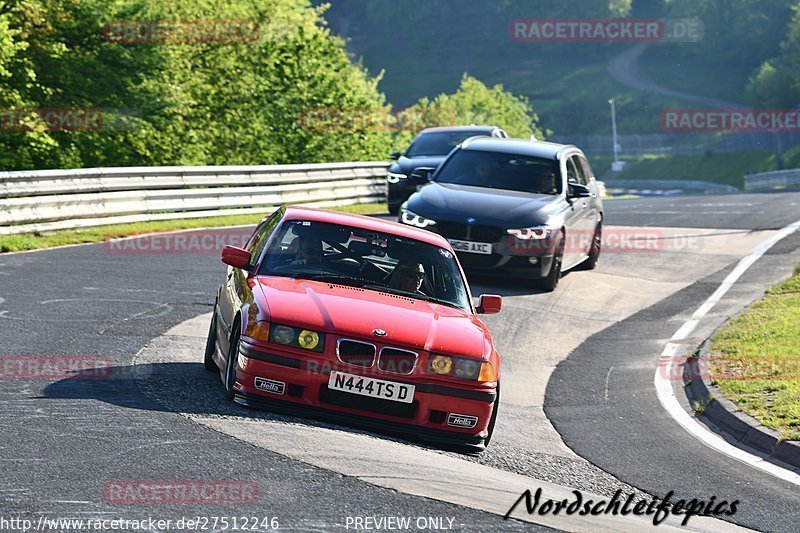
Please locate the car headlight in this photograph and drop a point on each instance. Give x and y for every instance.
(297, 337)
(534, 233)
(460, 367)
(413, 219)
(394, 177)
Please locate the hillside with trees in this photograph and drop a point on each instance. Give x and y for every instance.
(173, 101)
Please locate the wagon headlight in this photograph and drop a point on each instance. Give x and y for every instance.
(297, 337)
(413, 219)
(461, 367)
(537, 233)
(394, 177)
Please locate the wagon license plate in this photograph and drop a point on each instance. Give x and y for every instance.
(471, 247)
(374, 388)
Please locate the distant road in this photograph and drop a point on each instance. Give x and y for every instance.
(624, 69)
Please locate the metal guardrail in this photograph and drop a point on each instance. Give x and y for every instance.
(45, 200)
(771, 180)
(669, 184)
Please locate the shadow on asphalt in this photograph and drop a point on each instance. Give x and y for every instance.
(188, 388)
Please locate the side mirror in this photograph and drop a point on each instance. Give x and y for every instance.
(235, 257)
(423, 173)
(395, 155)
(489, 304)
(576, 190)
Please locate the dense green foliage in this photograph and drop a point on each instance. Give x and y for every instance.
(475, 103)
(177, 101)
(777, 81)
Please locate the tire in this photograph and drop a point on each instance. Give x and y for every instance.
(211, 345)
(490, 428)
(550, 282)
(594, 251)
(229, 378)
(393, 209)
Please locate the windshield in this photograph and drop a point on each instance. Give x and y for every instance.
(368, 259)
(499, 170)
(438, 143)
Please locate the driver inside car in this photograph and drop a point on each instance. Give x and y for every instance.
(309, 251)
(544, 183)
(408, 276)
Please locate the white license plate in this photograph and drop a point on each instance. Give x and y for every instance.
(374, 388)
(471, 247)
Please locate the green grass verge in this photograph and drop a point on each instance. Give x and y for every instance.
(18, 243)
(723, 168)
(755, 359)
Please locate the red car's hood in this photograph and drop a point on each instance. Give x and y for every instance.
(354, 312)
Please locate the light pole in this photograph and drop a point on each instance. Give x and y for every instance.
(616, 165)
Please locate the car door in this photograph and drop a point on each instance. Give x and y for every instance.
(236, 291)
(586, 216)
(573, 217)
(595, 203)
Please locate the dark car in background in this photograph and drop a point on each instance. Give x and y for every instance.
(428, 149)
(514, 207)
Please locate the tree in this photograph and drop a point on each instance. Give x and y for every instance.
(776, 83)
(475, 103)
(166, 100)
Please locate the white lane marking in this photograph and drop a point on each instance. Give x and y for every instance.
(2, 300)
(685, 330)
(663, 384)
(605, 391)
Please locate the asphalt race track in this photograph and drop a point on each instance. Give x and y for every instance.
(579, 408)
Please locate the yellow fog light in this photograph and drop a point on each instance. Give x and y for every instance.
(442, 365)
(308, 339)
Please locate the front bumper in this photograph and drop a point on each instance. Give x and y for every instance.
(510, 257)
(306, 393)
(496, 265)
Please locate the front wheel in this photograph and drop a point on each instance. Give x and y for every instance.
(490, 428)
(594, 251)
(550, 282)
(230, 367)
(211, 345)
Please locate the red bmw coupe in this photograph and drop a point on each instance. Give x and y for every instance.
(356, 319)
